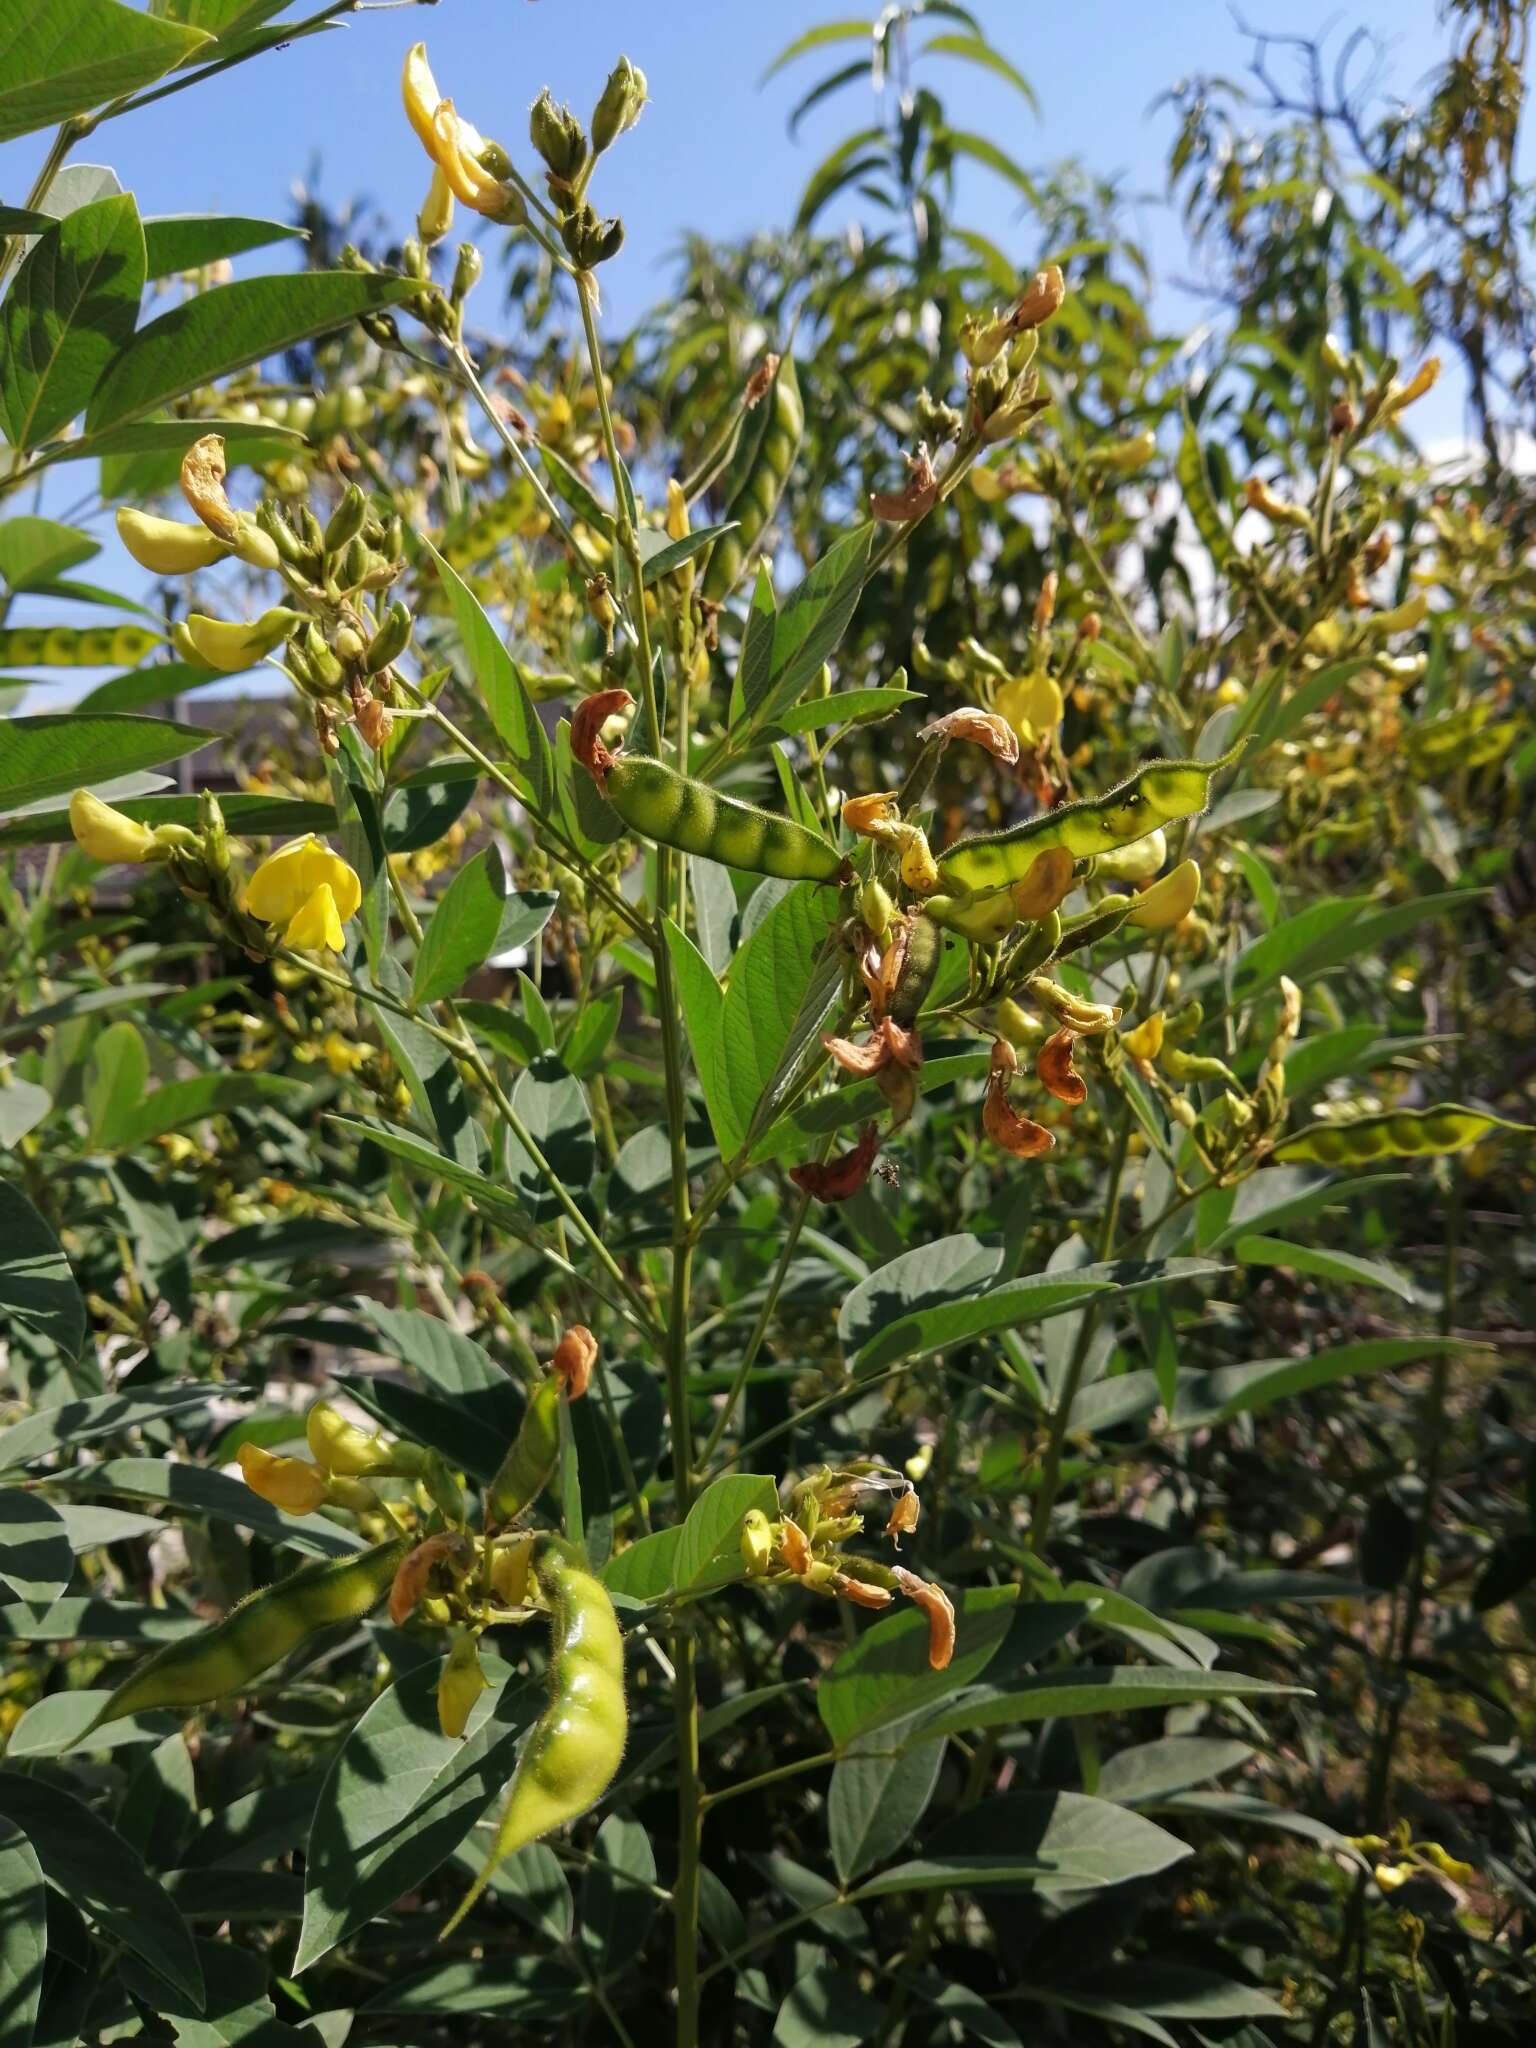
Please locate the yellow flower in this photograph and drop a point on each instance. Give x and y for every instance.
(341, 1055)
(1031, 704)
(453, 145)
(106, 834)
(1146, 1041)
(309, 890)
(291, 1484)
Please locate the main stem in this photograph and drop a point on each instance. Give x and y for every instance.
(685, 1891)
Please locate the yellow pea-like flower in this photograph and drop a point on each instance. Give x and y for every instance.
(1031, 704)
(452, 143)
(309, 890)
(1169, 901)
(108, 834)
(460, 1686)
(1146, 1041)
(291, 1484)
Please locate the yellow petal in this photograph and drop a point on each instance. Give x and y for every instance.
(453, 145)
(105, 833)
(288, 1483)
(315, 924)
(1169, 901)
(278, 887)
(1146, 1041)
(422, 98)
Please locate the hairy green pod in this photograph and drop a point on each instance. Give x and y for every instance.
(1158, 794)
(656, 801)
(762, 470)
(925, 948)
(1102, 922)
(75, 646)
(258, 1633)
(1394, 1134)
(527, 1468)
(575, 1747)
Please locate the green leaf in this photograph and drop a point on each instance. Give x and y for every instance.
(815, 39)
(116, 1078)
(179, 1104)
(62, 1721)
(775, 999)
(1199, 499)
(1347, 1268)
(947, 1269)
(661, 561)
(72, 307)
(189, 241)
(36, 1284)
(826, 2009)
(228, 20)
(430, 1071)
(161, 683)
(847, 707)
(646, 1570)
(812, 621)
(462, 930)
(1057, 1838)
(71, 55)
(1094, 1689)
(399, 1799)
(1177, 1991)
(703, 1007)
(95, 1870)
(53, 752)
(501, 685)
(553, 1106)
(976, 50)
(1151, 1770)
(1229, 1390)
(36, 1560)
(52, 1430)
(878, 1794)
(227, 329)
(34, 550)
(755, 662)
(278, 817)
(707, 1548)
(23, 1105)
(494, 1200)
(885, 1675)
(23, 1933)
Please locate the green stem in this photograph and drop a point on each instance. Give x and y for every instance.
(754, 1343)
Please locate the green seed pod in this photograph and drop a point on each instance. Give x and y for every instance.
(223, 1659)
(1392, 1134)
(925, 949)
(75, 647)
(656, 801)
(763, 461)
(575, 1747)
(984, 920)
(390, 641)
(356, 564)
(1102, 922)
(1155, 795)
(1036, 948)
(270, 519)
(528, 1466)
(346, 522)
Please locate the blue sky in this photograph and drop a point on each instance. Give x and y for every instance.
(712, 151)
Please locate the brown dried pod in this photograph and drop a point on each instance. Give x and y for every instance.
(940, 1610)
(1055, 1071)
(834, 1180)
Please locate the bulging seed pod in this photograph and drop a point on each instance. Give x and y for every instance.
(1158, 794)
(656, 801)
(195, 1670)
(1137, 862)
(1392, 1134)
(168, 547)
(576, 1746)
(765, 455)
(74, 646)
(529, 1464)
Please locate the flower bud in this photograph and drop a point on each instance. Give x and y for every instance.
(346, 522)
(460, 1685)
(618, 107)
(467, 272)
(756, 1543)
(390, 641)
(1042, 298)
(556, 134)
(107, 834)
(436, 215)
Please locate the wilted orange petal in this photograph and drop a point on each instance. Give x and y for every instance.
(864, 1059)
(410, 1582)
(899, 1087)
(834, 1180)
(939, 1608)
(905, 1047)
(922, 488)
(904, 1516)
(575, 1356)
(866, 814)
(985, 728)
(860, 1593)
(1016, 1134)
(587, 722)
(796, 1548)
(1005, 1060)
(1056, 1072)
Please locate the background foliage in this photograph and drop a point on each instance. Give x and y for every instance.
(1236, 1743)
